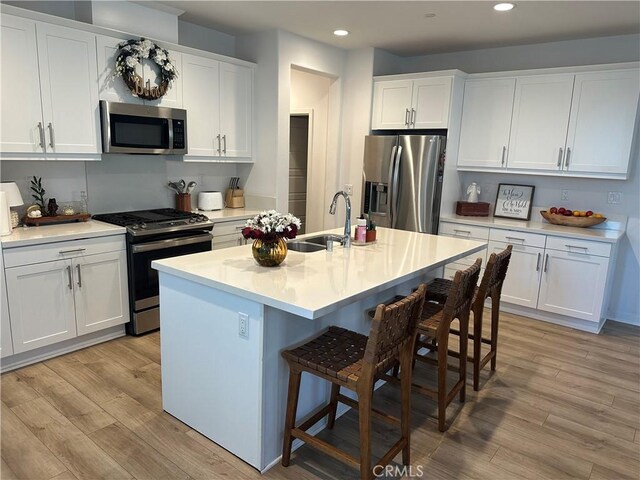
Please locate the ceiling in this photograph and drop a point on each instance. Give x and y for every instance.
(402, 28)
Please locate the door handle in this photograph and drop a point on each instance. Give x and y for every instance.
(406, 117)
(41, 133)
(566, 160)
(390, 192)
(412, 120)
(79, 275)
(546, 262)
(76, 250)
(560, 157)
(394, 205)
(52, 142)
(70, 284)
(538, 262)
(224, 143)
(504, 153)
(515, 238)
(219, 145)
(461, 231)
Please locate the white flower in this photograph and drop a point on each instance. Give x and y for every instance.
(168, 67)
(127, 48)
(131, 62)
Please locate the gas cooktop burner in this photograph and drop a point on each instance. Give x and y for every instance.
(147, 222)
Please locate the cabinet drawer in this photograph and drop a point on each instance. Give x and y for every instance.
(464, 231)
(228, 228)
(224, 241)
(571, 245)
(48, 252)
(517, 238)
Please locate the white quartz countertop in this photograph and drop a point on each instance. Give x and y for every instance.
(314, 284)
(533, 226)
(228, 214)
(23, 236)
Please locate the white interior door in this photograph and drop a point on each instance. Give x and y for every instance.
(100, 285)
(20, 105)
(391, 104)
(200, 97)
(430, 102)
(573, 284)
(523, 276)
(41, 304)
(236, 87)
(540, 119)
(69, 82)
(602, 121)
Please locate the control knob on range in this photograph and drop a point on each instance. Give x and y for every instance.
(135, 226)
(143, 225)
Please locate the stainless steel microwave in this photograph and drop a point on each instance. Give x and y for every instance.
(130, 128)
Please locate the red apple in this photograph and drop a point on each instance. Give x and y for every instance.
(553, 210)
(561, 210)
(568, 213)
(589, 213)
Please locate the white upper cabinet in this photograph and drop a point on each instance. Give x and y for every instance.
(68, 81)
(486, 122)
(540, 118)
(602, 122)
(218, 98)
(49, 90)
(21, 126)
(408, 103)
(113, 89)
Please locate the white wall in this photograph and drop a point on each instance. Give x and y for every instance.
(202, 38)
(133, 17)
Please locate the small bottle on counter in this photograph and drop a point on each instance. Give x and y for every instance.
(361, 230)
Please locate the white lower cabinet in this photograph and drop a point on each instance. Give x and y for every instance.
(228, 234)
(77, 291)
(523, 277)
(6, 346)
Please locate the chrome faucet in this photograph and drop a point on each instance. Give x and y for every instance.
(346, 238)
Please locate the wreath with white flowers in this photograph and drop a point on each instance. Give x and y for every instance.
(131, 54)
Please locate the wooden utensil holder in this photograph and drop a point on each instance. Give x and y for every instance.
(183, 202)
(234, 198)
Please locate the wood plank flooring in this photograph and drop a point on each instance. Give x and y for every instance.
(562, 404)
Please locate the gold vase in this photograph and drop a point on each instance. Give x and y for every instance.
(269, 254)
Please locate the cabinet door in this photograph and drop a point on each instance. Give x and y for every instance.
(391, 104)
(6, 347)
(540, 120)
(523, 276)
(236, 87)
(603, 115)
(200, 97)
(430, 102)
(20, 106)
(101, 296)
(69, 83)
(486, 122)
(573, 284)
(41, 304)
(173, 97)
(111, 88)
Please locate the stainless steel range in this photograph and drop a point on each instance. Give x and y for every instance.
(153, 235)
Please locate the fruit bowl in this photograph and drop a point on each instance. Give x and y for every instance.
(581, 222)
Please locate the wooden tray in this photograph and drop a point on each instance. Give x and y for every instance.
(477, 209)
(581, 222)
(78, 217)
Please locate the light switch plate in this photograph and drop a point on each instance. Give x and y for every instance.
(243, 325)
(348, 188)
(564, 195)
(614, 198)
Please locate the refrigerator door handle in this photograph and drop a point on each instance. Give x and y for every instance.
(394, 188)
(392, 162)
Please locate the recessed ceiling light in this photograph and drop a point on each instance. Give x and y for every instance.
(503, 7)
(429, 15)
(341, 33)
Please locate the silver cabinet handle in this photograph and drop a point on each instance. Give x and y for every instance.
(76, 250)
(52, 142)
(406, 117)
(566, 160)
(576, 246)
(41, 133)
(504, 152)
(462, 231)
(224, 143)
(219, 145)
(515, 238)
(412, 119)
(79, 275)
(70, 284)
(546, 262)
(538, 262)
(560, 157)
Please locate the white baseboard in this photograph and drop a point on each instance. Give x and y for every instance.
(625, 317)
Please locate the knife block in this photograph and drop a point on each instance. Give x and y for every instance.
(234, 198)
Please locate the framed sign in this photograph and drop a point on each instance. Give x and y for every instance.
(514, 201)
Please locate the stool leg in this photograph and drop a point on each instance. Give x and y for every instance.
(495, 317)
(443, 348)
(477, 344)
(406, 358)
(364, 413)
(335, 390)
(464, 342)
(290, 418)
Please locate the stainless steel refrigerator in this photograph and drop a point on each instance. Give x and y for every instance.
(403, 181)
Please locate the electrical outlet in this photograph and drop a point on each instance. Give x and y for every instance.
(348, 188)
(243, 325)
(564, 195)
(614, 198)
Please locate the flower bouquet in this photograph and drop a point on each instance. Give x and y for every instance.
(269, 229)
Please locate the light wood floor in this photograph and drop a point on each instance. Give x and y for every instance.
(562, 404)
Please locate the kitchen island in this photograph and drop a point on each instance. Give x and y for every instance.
(224, 321)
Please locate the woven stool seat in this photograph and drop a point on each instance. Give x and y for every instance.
(431, 318)
(336, 353)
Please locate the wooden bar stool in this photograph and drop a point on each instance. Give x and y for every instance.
(490, 287)
(435, 323)
(349, 359)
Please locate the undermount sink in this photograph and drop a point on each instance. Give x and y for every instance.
(305, 247)
(323, 239)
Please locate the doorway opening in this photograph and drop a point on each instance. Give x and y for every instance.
(298, 166)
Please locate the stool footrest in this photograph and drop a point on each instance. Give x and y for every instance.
(325, 447)
(385, 417)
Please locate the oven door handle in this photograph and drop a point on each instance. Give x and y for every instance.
(171, 242)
